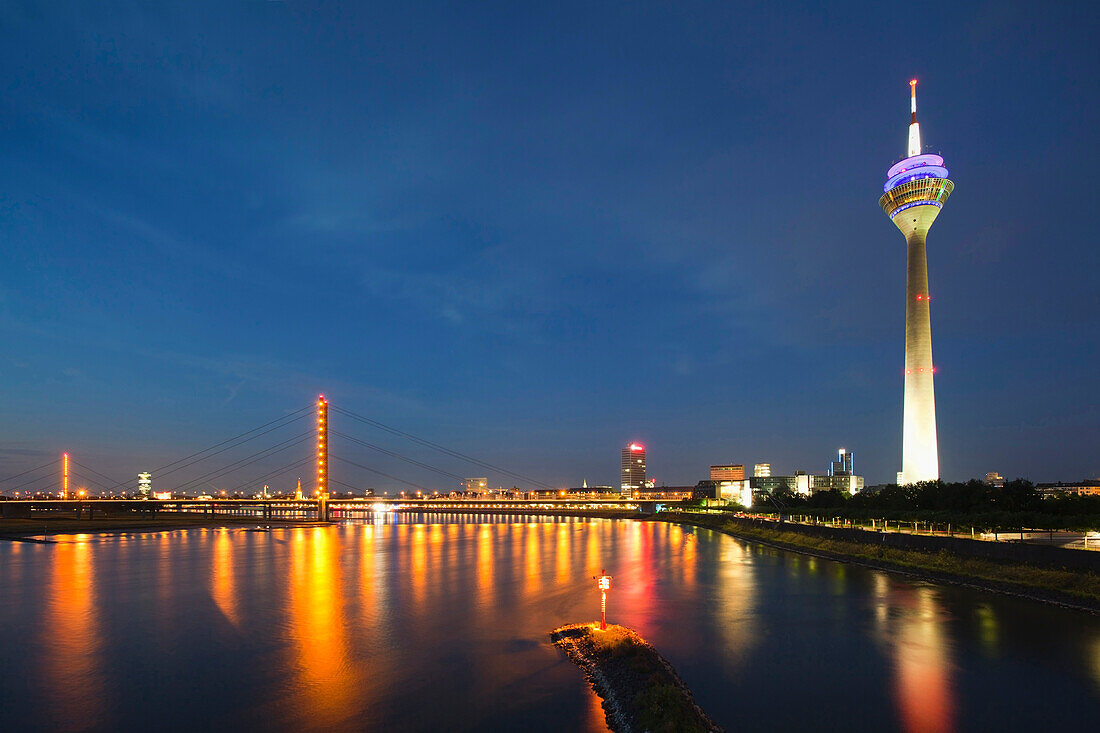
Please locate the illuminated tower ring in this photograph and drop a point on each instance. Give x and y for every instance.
(913, 195)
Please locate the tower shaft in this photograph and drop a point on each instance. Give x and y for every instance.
(920, 453)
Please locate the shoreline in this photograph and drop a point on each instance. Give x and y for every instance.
(639, 688)
(34, 530)
(915, 564)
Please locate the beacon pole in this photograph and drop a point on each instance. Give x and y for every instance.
(603, 581)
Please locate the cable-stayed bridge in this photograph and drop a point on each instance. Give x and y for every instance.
(233, 475)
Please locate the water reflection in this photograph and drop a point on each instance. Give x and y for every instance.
(439, 623)
(911, 625)
(72, 638)
(735, 617)
(223, 586)
(328, 682)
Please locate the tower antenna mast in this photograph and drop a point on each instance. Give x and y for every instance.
(914, 128)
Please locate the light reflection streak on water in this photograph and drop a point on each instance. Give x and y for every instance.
(223, 587)
(531, 576)
(484, 558)
(735, 610)
(688, 559)
(562, 554)
(72, 637)
(912, 626)
(327, 684)
(418, 575)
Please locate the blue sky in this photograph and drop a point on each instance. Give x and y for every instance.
(537, 232)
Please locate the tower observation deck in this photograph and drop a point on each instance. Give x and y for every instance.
(913, 195)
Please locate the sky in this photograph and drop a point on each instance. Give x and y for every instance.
(536, 232)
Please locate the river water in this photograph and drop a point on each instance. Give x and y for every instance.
(420, 622)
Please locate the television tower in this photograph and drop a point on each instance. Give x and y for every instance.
(914, 192)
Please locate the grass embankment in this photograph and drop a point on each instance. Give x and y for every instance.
(1078, 588)
(984, 521)
(31, 528)
(640, 690)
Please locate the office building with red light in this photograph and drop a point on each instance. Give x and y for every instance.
(633, 469)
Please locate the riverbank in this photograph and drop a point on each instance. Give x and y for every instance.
(639, 688)
(1070, 588)
(39, 529)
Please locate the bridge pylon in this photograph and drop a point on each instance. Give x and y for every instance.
(322, 458)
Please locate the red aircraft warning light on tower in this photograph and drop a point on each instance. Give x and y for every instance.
(914, 193)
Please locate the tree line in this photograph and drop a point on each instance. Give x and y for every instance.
(1017, 504)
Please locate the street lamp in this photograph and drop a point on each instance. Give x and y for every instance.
(603, 581)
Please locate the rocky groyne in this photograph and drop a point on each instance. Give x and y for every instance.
(639, 688)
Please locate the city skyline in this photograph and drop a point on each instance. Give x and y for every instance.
(540, 246)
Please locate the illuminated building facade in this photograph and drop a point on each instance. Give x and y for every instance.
(913, 195)
(734, 472)
(145, 484)
(801, 482)
(1082, 488)
(995, 480)
(762, 470)
(476, 486)
(633, 469)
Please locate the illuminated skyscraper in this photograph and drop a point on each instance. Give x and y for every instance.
(844, 465)
(762, 470)
(914, 192)
(145, 484)
(633, 468)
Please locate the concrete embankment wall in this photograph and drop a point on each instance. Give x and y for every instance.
(1010, 552)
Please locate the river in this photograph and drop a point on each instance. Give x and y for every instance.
(439, 622)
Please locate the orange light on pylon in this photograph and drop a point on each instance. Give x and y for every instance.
(322, 447)
(603, 582)
(64, 475)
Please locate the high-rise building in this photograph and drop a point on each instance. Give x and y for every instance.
(145, 484)
(762, 470)
(732, 472)
(844, 465)
(915, 191)
(633, 465)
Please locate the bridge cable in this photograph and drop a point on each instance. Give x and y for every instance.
(54, 476)
(272, 474)
(437, 447)
(413, 461)
(236, 465)
(29, 470)
(157, 472)
(97, 473)
(380, 473)
(88, 478)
